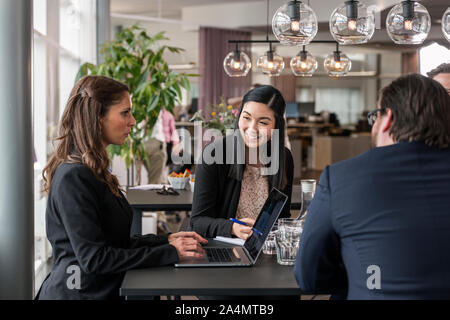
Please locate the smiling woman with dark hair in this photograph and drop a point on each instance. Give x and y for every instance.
(228, 189)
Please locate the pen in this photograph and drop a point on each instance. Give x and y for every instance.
(239, 222)
(245, 224)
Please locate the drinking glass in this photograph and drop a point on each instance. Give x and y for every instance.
(287, 240)
(269, 245)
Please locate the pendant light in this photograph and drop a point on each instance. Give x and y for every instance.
(294, 23)
(337, 64)
(352, 23)
(270, 64)
(303, 64)
(446, 24)
(237, 63)
(408, 23)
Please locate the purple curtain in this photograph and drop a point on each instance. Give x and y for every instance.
(214, 82)
(286, 84)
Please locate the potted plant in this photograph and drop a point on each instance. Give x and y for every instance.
(222, 117)
(135, 59)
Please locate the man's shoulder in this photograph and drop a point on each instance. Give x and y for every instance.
(358, 161)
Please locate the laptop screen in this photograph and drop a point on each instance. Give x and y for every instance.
(265, 221)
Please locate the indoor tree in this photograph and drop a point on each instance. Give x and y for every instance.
(135, 58)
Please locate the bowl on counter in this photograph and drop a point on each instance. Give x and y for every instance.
(178, 182)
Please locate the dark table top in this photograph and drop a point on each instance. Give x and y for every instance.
(266, 277)
(151, 200)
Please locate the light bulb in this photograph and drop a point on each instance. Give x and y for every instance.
(337, 64)
(303, 64)
(270, 64)
(294, 23)
(295, 26)
(351, 25)
(446, 24)
(408, 25)
(237, 64)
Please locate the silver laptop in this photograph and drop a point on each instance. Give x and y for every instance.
(245, 256)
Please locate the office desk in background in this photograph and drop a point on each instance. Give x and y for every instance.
(150, 200)
(265, 278)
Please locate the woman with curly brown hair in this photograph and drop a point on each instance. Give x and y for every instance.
(88, 218)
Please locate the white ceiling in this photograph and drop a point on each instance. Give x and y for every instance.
(233, 14)
(167, 8)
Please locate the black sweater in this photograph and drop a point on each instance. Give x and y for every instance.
(89, 230)
(216, 196)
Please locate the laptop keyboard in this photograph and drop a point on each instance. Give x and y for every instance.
(219, 254)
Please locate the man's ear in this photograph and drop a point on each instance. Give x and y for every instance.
(387, 120)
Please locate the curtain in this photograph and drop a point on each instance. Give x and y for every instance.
(214, 82)
(410, 62)
(286, 84)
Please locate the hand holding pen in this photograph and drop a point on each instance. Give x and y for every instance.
(243, 228)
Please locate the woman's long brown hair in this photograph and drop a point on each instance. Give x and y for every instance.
(80, 134)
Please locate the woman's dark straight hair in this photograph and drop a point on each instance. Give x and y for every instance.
(271, 97)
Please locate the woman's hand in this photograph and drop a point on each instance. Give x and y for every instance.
(188, 244)
(242, 231)
(187, 234)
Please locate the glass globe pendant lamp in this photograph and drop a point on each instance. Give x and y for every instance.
(408, 23)
(294, 23)
(446, 24)
(303, 64)
(352, 23)
(270, 63)
(337, 64)
(237, 63)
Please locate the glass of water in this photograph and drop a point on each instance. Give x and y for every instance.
(287, 240)
(270, 246)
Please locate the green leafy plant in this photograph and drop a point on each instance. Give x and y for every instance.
(135, 59)
(223, 117)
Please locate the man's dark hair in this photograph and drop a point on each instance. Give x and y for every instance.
(420, 108)
(442, 68)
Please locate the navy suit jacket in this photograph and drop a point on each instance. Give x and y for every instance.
(379, 226)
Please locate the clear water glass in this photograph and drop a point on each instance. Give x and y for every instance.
(270, 245)
(287, 240)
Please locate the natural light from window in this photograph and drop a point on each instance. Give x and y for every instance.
(431, 56)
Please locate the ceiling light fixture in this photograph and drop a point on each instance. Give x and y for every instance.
(270, 64)
(446, 24)
(294, 23)
(237, 63)
(337, 64)
(352, 23)
(408, 23)
(303, 64)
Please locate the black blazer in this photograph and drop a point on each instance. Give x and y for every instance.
(216, 195)
(379, 226)
(89, 230)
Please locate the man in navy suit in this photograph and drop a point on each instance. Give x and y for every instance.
(379, 224)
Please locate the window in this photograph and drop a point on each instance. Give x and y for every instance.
(431, 56)
(347, 103)
(60, 45)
